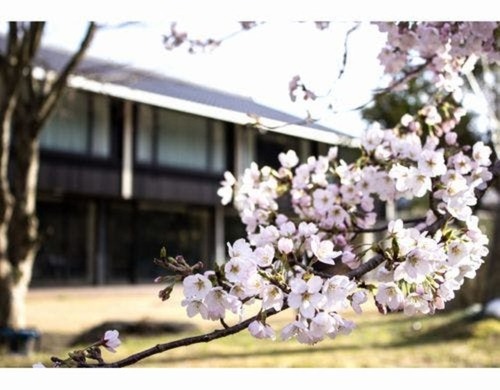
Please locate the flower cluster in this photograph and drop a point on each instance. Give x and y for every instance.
(303, 220)
(441, 47)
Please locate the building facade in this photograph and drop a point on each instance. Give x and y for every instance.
(132, 161)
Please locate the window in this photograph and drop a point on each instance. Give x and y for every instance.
(183, 231)
(80, 125)
(144, 149)
(182, 140)
(63, 253)
(100, 140)
(66, 130)
(270, 145)
(169, 138)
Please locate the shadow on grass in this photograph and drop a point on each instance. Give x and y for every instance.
(456, 326)
(460, 326)
(391, 333)
(132, 328)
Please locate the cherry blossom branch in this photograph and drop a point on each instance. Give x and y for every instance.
(204, 338)
(364, 268)
(384, 227)
(296, 83)
(391, 88)
(176, 38)
(344, 58)
(378, 259)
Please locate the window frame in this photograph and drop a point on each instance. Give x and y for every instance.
(90, 129)
(154, 165)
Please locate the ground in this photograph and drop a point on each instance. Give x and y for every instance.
(445, 340)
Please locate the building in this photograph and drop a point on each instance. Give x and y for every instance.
(131, 161)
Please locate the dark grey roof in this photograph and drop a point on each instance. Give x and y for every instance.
(149, 81)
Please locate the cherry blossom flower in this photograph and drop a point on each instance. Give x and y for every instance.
(226, 191)
(261, 331)
(196, 286)
(358, 298)
(323, 250)
(293, 329)
(194, 307)
(390, 295)
(305, 296)
(285, 245)
(264, 255)
(321, 325)
(415, 303)
(288, 159)
(218, 301)
(431, 163)
(336, 290)
(415, 268)
(481, 154)
(238, 269)
(111, 340)
(323, 200)
(240, 249)
(272, 297)
(372, 138)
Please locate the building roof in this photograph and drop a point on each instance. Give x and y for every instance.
(123, 81)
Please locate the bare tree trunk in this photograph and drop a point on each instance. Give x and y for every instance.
(23, 229)
(492, 266)
(26, 104)
(7, 273)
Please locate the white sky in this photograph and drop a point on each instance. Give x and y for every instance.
(258, 63)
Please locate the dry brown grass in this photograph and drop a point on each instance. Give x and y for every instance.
(446, 340)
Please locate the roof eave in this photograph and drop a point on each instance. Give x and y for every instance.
(223, 114)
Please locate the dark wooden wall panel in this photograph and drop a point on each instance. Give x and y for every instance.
(79, 179)
(176, 189)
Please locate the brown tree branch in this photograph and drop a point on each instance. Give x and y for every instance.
(364, 268)
(384, 227)
(32, 44)
(36, 32)
(12, 43)
(59, 85)
(205, 338)
(378, 259)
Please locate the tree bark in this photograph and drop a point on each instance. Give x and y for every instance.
(23, 228)
(24, 108)
(6, 203)
(492, 266)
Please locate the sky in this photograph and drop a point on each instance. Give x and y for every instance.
(258, 63)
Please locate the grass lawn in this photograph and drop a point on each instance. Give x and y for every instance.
(444, 340)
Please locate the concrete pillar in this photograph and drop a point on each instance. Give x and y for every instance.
(127, 151)
(219, 236)
(90, 246)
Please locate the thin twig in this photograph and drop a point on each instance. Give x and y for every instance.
(205, 338)
(384, 227)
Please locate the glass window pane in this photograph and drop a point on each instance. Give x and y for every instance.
(144, 146)
(101, 127)
(185, 232)
(67, 128)
(62, 257)
(182, 140)
(270, 145)
(218, 147)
